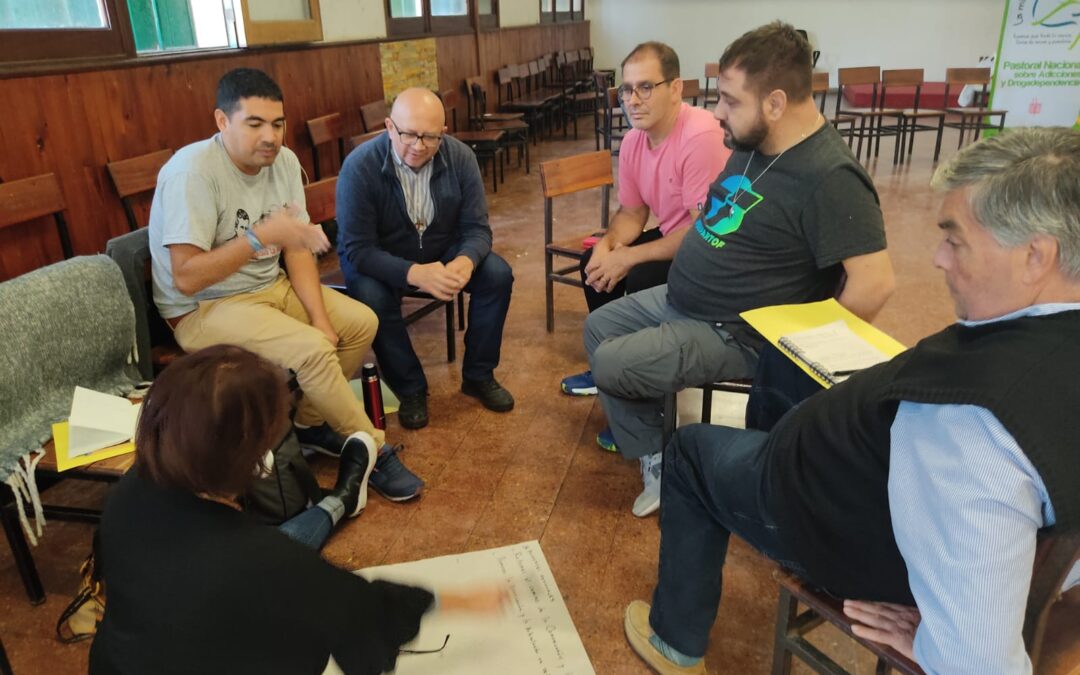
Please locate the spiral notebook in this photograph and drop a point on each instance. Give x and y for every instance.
(798, 325)
(833, 351)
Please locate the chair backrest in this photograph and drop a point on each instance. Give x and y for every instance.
(355, 142)
(1055, 557)
(449, 98)
(573, 174)
(32, 198)
(373, 115)
(903, 77)
(959, 77)
(712, 69)
(476, 98)
(326, 129)
(712, 83)
(134, 176)
(819, 84)
(691, 89)
(319, 197)
(847, 77)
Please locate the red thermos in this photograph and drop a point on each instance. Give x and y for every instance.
(373, 403)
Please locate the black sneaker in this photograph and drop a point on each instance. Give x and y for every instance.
(392, 479)
(412, 413)
(322, 439)
(357, 462)
(490, 393)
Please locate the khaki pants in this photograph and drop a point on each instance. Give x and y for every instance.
(274, 324)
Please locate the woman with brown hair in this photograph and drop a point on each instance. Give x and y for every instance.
(194, 585)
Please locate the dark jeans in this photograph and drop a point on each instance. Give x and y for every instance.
(711, 487)
(779, 385)
(311, 527)
(640, 277)
(489, 298)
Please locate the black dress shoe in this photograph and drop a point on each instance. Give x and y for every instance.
(354, 470)
(412, 414)
(490, 393)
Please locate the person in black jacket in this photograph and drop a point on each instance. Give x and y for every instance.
(196, 586)
(411, 213)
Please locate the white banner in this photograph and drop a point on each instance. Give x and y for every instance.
(1037, 70)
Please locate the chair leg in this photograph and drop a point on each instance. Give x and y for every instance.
(20, 550)
(786, 610)
(940, 135)
(882, 667)
(706, 404)
(461, 310)
(451, 342)
(549, 297)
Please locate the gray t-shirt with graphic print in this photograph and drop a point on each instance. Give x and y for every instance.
(203, 199)
(776, 232)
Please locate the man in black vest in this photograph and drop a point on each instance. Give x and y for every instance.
(917, 486)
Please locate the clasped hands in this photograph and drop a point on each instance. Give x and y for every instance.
(608, 266)
(441, 281)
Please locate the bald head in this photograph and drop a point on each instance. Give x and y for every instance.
(416, 112)
(419, 105)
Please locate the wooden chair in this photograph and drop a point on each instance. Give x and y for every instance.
(601, 83)
(971, 117)
(712, 72)
(562, 177)
(1054, 557)
(512, 98)
(820, 88)
(691, 89)
(910, 121)
(373, 115)
(356, 141)
(870, 126)
(516, 130)
(321, 207)
(612, 112)
(323, 130)
(28, 199)
(136, 176)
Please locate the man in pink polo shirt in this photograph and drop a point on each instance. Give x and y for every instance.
(666, 163)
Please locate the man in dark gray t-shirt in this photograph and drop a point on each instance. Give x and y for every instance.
(790, 216)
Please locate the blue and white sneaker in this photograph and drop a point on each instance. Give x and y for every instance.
(606, 440)
(391, 478)
(579, 385)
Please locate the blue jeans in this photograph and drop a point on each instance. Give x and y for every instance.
(489, 297)
(711, 486)
(310, 527)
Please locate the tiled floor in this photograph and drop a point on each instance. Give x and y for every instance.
(536, 473)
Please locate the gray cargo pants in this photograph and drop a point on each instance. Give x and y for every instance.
(642, 349)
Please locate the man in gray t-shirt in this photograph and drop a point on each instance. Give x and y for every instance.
(226, 213)
(791, 214)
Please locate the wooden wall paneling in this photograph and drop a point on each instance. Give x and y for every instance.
(456, 55)
(74, 124)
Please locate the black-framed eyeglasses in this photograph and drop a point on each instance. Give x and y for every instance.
(411, 137)
(447, 639)
(643, 90)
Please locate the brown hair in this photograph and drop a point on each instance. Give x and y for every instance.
(669, 60)
(209, 418)
(774, 56)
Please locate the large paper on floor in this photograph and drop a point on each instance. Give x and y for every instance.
(534, 636)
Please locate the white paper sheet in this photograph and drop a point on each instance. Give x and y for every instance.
(535, 636)
(99, 421)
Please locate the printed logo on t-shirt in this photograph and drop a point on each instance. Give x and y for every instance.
(724, 216)
(243, 224)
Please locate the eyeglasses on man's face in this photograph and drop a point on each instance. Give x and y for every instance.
(643, 90)
(411, 137)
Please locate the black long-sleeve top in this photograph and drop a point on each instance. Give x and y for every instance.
(193, 586)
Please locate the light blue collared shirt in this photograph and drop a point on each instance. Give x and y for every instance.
(966, 504)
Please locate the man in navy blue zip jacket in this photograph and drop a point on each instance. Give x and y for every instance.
(412, 214)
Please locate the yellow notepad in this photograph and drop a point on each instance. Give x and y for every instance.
(61, 445)
(781, 320)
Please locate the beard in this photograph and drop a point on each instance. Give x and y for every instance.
(751, 140)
